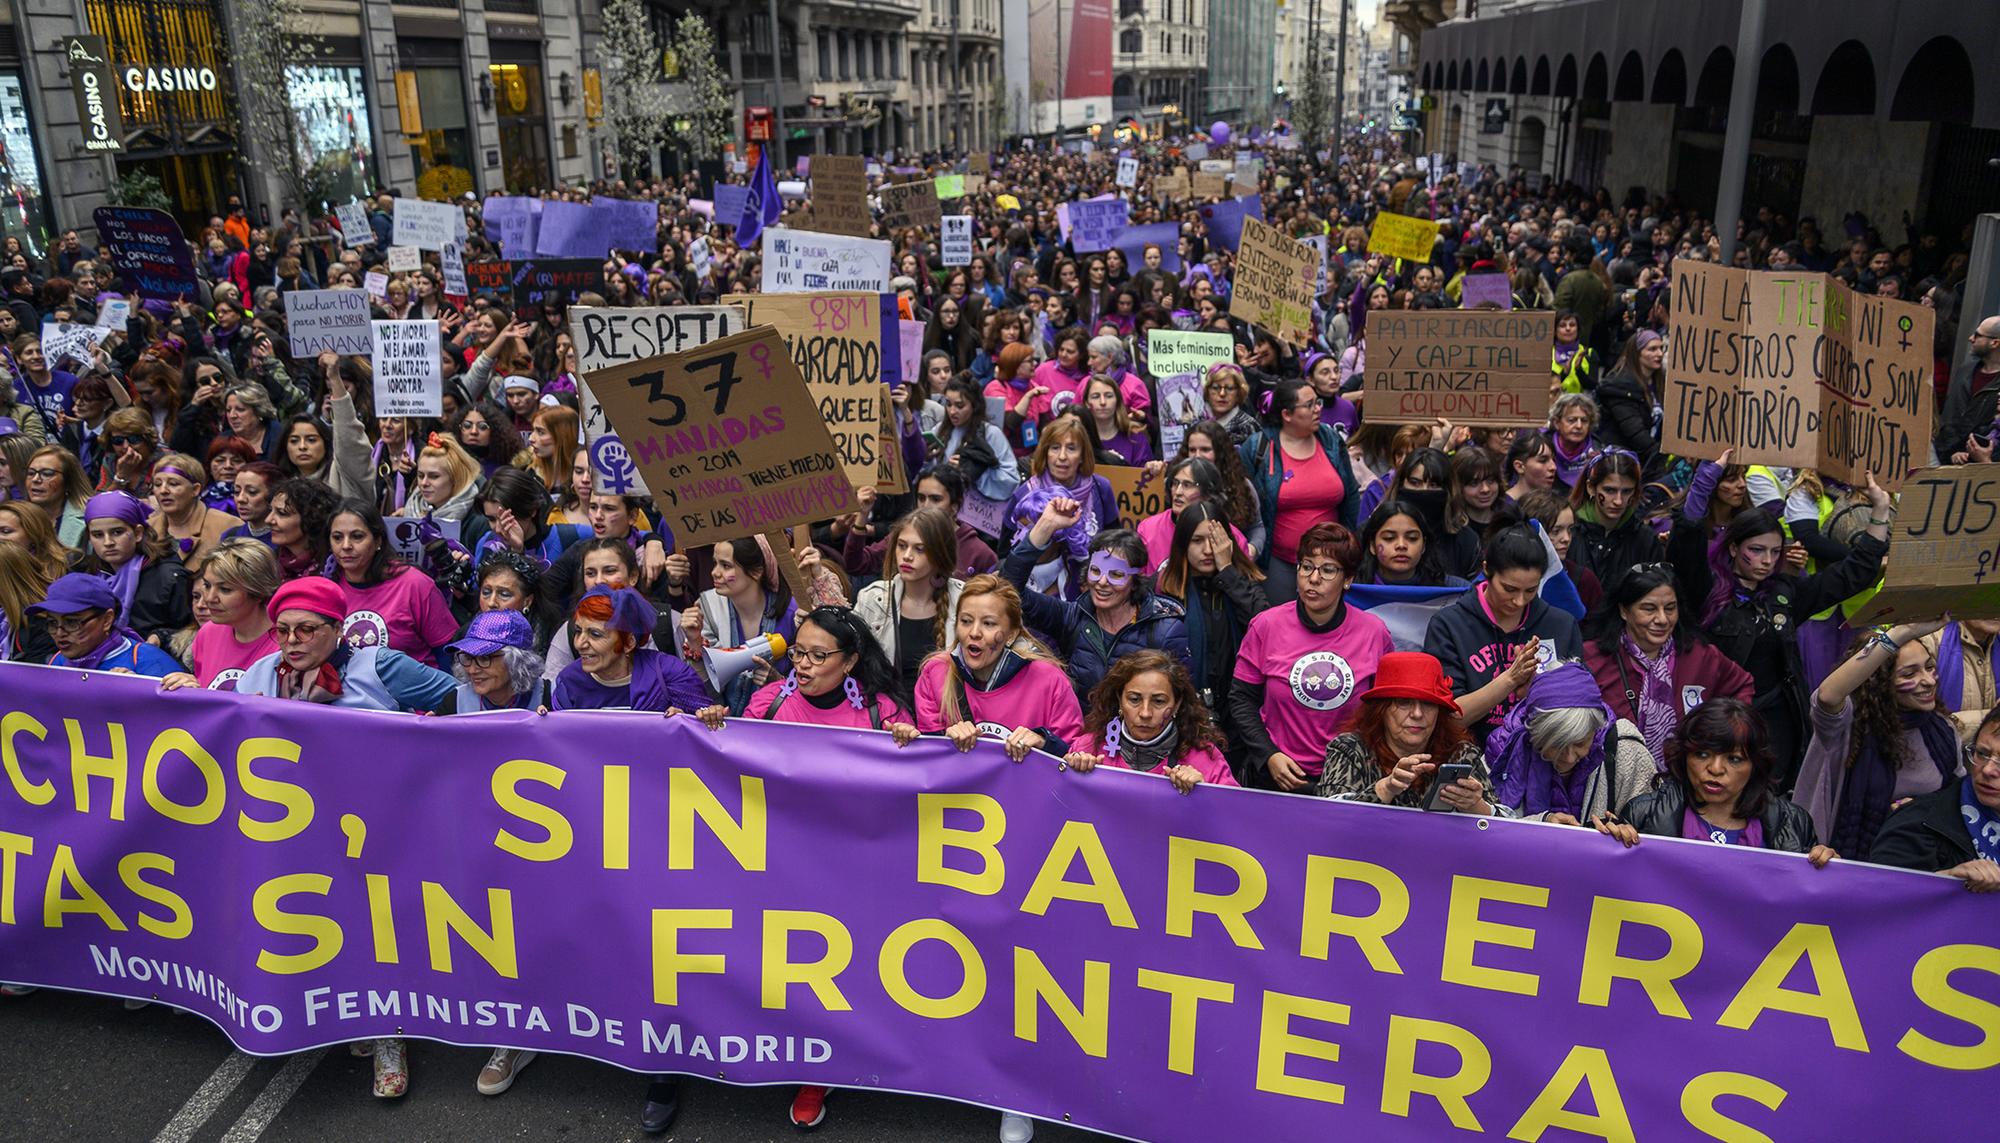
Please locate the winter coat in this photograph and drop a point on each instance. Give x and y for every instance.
(1927, 834)
(1473, 650)
(1267, 475)
(1160, 624)
(1660, 811)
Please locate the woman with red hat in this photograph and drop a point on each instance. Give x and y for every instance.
(1400, 742)
(313, 664)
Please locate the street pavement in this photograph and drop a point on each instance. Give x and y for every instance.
(78, 1067)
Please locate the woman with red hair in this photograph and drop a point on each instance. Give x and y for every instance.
(1400, 743)
(614, 668)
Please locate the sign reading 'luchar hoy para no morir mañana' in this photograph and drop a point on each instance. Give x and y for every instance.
(1471, 367)
(1796, 370)
(1091, 948)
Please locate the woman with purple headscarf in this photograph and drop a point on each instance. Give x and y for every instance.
(1561, 757)
(153, 588)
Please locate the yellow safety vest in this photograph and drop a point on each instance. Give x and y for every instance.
(1572, 375)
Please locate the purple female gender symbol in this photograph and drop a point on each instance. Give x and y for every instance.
(613, 465)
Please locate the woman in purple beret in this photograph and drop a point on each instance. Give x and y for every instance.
(615, 669)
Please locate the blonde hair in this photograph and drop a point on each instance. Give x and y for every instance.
(1065, 426)
(464, 470)
(195, 472)
(40, 536)
(24, 580)
(952, 701)
(247, 564)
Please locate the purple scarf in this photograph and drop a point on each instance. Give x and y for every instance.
(1521, 776)
(1653, 708)
(134, 511)
(120, 640)
(1036, 495)
(1570, 467)
(1951, 666)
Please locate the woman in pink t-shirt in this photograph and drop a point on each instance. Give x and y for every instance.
(1303, 666)
(1146, 716)
(237, 580)
(389, 603)
(999, 682)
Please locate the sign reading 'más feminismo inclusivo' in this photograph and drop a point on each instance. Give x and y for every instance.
(1796, 370)
(728, 438)
(1085, 948)
(1471, 367)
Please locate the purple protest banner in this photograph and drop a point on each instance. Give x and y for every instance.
(1225, 219)
(629, 224)
(147, 249)
(1479, 289)
(570, 230)
(729, 200)
(1133, 241)
(1089, 948)
(513, 221)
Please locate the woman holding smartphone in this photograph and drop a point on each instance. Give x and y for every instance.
(1400, 750)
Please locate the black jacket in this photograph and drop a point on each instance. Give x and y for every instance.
(1659, 813)
(1473, 651)
(164, 602)
(1607, 552)
(1158, 624)
(1927, 834)
(1964, 412)
(1628, 416)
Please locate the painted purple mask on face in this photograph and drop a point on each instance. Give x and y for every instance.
(1109, 569)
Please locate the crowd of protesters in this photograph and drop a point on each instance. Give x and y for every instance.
(190, 501)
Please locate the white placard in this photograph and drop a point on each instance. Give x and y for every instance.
(1319, 244)
(700, 257)
(1128, 172)
(319, 320)
(409, 376)
(613, 335)
(453, 259)
(1216, 167)
(406, 536)
(375, 284)
(1196, 151)
(799, 261)
(955, 241)
(354, 225)
(426, 225)
(403, 259)
(71, 341)
(113, 312)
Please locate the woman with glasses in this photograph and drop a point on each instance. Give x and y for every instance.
(1302, 664)
(1955, 831)
(1303, 477)
(84, 617)
(313, 664)
(1403, 740)
(1227, 395)
(1880, 736)
(487, 432)
(131, 445)
(1190, 480)
(56, 483)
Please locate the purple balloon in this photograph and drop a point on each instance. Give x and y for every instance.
(1218, 131)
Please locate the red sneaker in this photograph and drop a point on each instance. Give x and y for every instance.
(808, 1107)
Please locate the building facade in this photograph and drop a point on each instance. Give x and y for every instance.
(1242, 60)
(1860, 107)
(1161, 57)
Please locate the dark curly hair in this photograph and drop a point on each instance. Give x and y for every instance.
(316, 505)
(1876, 716)
(1192, 723)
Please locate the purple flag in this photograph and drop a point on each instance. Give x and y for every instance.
(763, 206)
(1090, 948)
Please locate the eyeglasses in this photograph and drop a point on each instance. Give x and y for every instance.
(66, 624)
(1314, 403)
(813, 656)
(122, 439)
(298, 633)
(44, 473)
(1321, 571)
(1979, 758)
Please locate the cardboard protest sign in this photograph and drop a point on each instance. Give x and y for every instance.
(802, 261)
(1095, 223)
(911, 204)
(1476, 290)
(1216, 166)
(1946, 544)
(1472, 367)
(354, 226)
(840, 195)
(425, 225)
(837, 341)
(1171, 185)
(1796, 369)
(1128, 172)
(317, 321)
(405, 258)
(616, 336)
(1400, 236)
(1274, 280)
(66, 341)
(543, 283)
(955, 240)
(889, 475)
(1210, 186)
(145, 246)
(1170, 351)
(409, 375)
(514, 222)
(1140, 494)
(728, 437)
(451, 263)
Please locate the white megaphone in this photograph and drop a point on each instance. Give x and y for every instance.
(725, 663)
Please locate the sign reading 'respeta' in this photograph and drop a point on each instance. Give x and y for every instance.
(90, 78)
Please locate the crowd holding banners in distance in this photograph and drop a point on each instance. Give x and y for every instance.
(1799, 370)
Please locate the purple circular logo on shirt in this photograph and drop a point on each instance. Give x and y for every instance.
(365, 629)
(226, 680)
(1322, 680)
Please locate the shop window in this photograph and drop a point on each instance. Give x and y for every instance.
(330, 104)
(443, 152)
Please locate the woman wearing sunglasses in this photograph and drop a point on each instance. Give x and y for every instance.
(1118, 612)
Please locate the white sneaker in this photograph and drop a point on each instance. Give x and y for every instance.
(505, 1064)
(1016, 1128)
